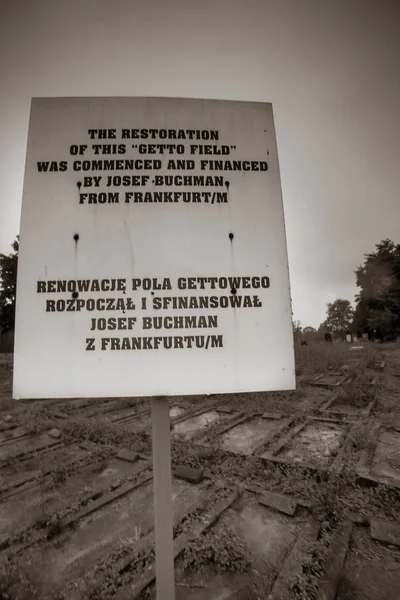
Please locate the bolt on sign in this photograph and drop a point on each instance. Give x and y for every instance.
(153, 255)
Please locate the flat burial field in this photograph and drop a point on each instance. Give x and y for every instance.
(74, 552)
(386, 458)
(245, 437)
(316, 442)
(77, 520)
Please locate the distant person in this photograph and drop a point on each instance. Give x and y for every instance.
(328, 338)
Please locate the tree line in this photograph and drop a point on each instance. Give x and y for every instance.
(376, 312)
(377, 303)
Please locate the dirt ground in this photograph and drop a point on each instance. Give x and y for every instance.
(284, 496)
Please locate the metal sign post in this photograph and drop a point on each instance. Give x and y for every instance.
(163, 510)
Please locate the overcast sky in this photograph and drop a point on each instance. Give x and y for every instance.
(330, 68)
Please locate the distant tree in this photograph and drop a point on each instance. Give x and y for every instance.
(309, 330)
(322, 329)
(339, 317)
(378, 302)
(297, 330)
(310, 334)
(8, 285)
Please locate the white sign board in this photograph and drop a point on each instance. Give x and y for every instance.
(153, 254)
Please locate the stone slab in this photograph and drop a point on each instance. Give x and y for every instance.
(176, 411)
(125, 520)
(25, 474)
(130, 412)
(329, 380)
(383, 531)
(225, 409)
(282, 587)
(143, 580)
(192, 425)
(27, 445)
(246, 437)
(54, 433)
(100, 409)
(30, 507)
(269, 538)
(280, 502)
(357, 518)
(333, 407)
(386, 456)
(283, 442)
(272, 415)
(136, 423)
(379, 365)
(329, 581)
(371, 570)
(188, 473)
(12, 434)
(316, 442)
(82, 405)
(127, 455)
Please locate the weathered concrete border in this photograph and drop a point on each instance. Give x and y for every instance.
(241, 418)
(143, 546)
(14, 438)
(103, 408)
(130, 417)
(105, 499)
(271, 455)
(256, 488)
(26, 434)
(379, 365)
(69, 401)
(133, 589)
(45, 447)
(19, 485)
(339, 460)
(190, 474)
(281, 587)
(286, 422)
(279, 502)
(363, 468)
(90, 507)
(384, 531)
(193, 411)
(202, 435)
(329, 581)
(336, 465)
(238, 418)
(208, 405)
(292, 565)
(318, 380)
(328, 409)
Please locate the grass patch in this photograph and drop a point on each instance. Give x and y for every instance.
(357, 391)
(358, 436)
(13, 583)
(101, 431)
(220, 548)
(318, 357)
